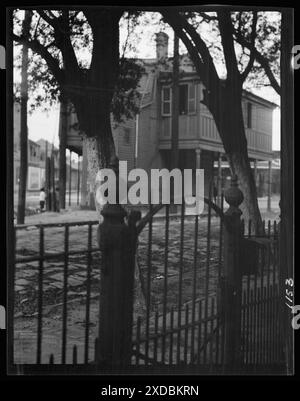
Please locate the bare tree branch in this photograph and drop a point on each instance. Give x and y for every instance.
(36, 27)
(52, 63)
(207, 17)
(252, 50)
(205, 65)
(262, 60)
(226, 30)
(51, 21)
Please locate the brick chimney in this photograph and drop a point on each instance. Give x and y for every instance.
(162, 40)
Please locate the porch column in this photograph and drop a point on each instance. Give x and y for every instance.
(198, 157)
(83, 201)
(269, 185)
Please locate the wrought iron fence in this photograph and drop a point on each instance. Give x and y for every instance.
(181, 266)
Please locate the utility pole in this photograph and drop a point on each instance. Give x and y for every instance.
(63, 116)
(175, 105)
(24, 128)
(175, 114)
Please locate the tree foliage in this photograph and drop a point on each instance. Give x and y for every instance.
(43, 86)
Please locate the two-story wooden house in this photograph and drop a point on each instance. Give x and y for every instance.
(145, 141)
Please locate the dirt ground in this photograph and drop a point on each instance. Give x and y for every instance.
(26, 283)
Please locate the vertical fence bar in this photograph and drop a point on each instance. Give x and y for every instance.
(269, 324)
(244, 327)
(251, 342)
(171, 336)
(268, 292)
(65, 295)
(212, 313)
(256, 320)
(248, 320)
(274, 319)
(88, 295)
(180, 282)
(207, 273)
(138, 340)
(165, 299)
(217, 354)
(155, 340)
(186, 334)
(149, 262)
(40, 297)
(271, 340)
(199, 332)
(279, 332)
(261, 321)
(263, 326)
(222, 343)
(265, 344)
(194, 288)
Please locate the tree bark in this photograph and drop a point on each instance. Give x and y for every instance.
(99, 157)
(24, 128)
(223, 99)
(92, 99)
(249, 206)
(229, 119)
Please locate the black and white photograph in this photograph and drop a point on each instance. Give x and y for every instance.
(150, 191)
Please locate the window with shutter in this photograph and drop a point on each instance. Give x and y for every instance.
(183, 99)
(249, 115)
(166, 101)
(192, 99)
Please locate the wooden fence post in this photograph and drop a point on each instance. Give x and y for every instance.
(232, 276)
(117, 241)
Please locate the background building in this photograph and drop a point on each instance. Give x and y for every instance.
(145, 141)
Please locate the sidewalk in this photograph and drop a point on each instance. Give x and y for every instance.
(76, 214)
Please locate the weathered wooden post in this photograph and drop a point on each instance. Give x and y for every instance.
(232, 276)
(117, 241)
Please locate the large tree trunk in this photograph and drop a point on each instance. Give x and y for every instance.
(97, 160)
(242, 169)
(228, 115)
(24, 129)
(93, 102)
(235, 144)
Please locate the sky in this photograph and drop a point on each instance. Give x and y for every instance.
(45, 124)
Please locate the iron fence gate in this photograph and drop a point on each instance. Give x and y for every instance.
(181, 322)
